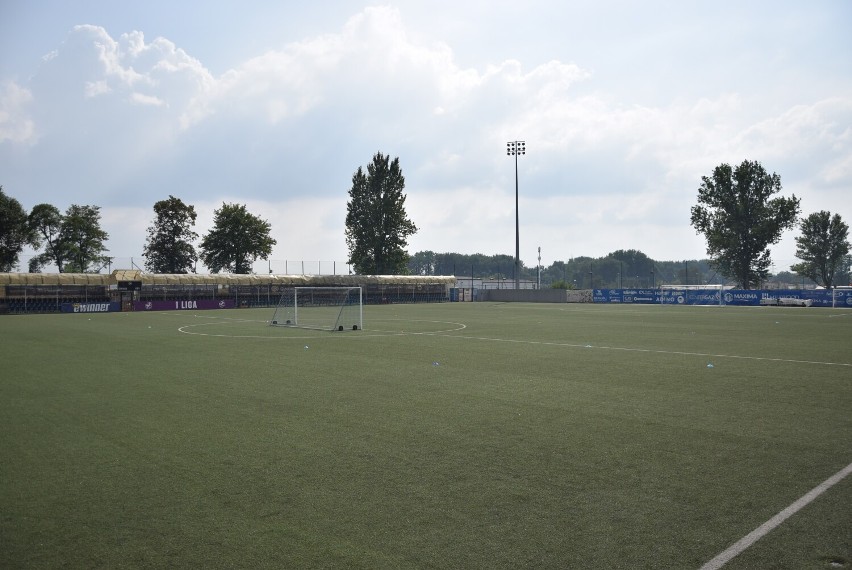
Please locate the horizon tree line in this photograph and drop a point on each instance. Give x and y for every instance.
(738, 212)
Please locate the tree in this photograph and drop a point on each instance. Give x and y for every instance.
(169, 248)
(74, 242)
(822, 247)
(739, 219)
(377, 227)
(15, 231)
(422, 263)
(46, 221)
(237, 239)
(845, 271)
(84, 239)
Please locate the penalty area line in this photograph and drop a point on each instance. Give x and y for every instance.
(764, 529)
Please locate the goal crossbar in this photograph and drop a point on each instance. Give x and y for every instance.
(692, 294)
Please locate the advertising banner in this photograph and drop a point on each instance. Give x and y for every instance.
(199, 304)
(90, 307)
(643, 296)
(606, 296)
(753, 297)
(823, 297)
(817, 297)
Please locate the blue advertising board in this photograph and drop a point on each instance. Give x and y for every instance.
(90, 307)
(823, 297)
(689, 296)
(753, 297)
(625, 296)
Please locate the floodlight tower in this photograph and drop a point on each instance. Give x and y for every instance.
(514, 148)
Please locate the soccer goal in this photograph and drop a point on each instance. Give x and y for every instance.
(692, 295)
(321, 308)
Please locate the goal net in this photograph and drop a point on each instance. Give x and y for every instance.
(322, 308)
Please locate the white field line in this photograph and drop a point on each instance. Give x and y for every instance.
(216, 321)
(647, 350)
(776, 521)
(772, 523)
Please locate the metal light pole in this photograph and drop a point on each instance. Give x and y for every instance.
(538, 267)
(514, 148)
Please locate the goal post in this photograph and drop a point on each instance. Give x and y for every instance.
(320, 308)
(692, 295)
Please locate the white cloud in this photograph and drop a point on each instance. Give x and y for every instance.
(16, 125)
(95, 88)
(125, 122)
(142, 99)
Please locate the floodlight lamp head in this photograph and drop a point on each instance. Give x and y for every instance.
(515, 148)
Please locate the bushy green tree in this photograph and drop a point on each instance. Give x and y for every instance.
(15, 231)
(422, 263)
(73, 241)
(377, 226)
(740, 219)
(822, 247)
(237, 239)
(84, 239)
(169, 248)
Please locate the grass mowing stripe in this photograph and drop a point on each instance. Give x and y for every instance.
(646, 350)
(764, 529)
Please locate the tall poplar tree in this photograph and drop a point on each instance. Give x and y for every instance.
(377, 226)
(169, 248)
(46, 221)
(740, 219)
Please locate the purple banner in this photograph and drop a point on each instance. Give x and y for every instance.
(183, 305)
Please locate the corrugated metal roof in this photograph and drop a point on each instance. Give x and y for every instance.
(213, 279)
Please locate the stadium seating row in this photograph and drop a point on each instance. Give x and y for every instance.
(54, 305)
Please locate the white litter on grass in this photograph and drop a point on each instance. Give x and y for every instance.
(306, 347)
(436, 363)
(710, 365)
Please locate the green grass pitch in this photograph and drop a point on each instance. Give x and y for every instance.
(441, 436)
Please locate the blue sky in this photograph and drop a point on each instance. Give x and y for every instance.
(623, 106)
